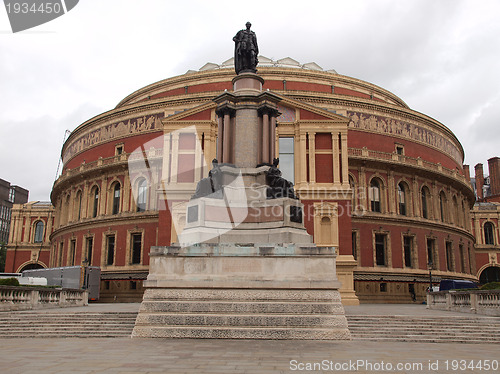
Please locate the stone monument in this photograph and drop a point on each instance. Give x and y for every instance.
(245, 266)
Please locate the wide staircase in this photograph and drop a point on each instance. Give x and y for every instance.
(60, 324)
(441, 328)
(429, 329)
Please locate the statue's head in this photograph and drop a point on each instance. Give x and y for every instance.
(248, 25)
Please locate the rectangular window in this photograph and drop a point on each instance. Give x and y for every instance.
(383, 287)
(354, 244)
(380, 244)
(12, 195)
(407, 245)
(72, 253)
(60, 254)
(449, 256)
(136, 248)
(90, 244)
(286, 159)
(110, 246)
(462, 258)
(430, 253)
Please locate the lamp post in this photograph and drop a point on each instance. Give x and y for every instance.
(429, 266)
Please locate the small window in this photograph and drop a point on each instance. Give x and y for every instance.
(106, 285)
(380, 244)
(39, 228)
(12, 195)
(425, 194)
(442, 206)
(488, 233)
(407, 245)
(449, 256)
(110, 244)
(402, 199)
(116, 198)
(72, 253)
(142, 195)
(286, 156)
(354, 239)
(119, 149)
(133, 285)
(400, 149)
(430, 253)
(95, 196)
(89, 245)
(383, 287)
(375, 195)
(136, 248)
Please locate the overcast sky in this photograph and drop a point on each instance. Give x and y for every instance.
(442, 57)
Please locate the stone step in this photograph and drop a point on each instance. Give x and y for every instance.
(238, 320)
(220, 332)
(424, 339)
(220, 306)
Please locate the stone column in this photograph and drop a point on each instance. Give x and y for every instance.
(273, 139)
(220, 135)
(336, 158)
(344, 160)
(226, 148)
(266, 138)
(312, 157)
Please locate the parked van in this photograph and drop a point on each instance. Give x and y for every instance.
(456, 284)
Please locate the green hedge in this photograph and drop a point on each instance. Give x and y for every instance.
(9, 282)
(491, 286)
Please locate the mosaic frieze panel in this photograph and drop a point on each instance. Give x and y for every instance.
(405, 129)
(111, 131)
(287, 114)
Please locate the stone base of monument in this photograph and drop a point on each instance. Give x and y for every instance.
(231, 291)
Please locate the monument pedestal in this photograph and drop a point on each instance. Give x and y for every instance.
(242, 292)
(245, 266)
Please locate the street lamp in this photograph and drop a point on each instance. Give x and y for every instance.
(429, 266)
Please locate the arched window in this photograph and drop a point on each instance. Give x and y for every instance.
(488, 233)
(95, 198)
(116, 198)
(402, 199)
(456, 216)
(78, 205)
(375, 195)
(38, 238)
(425, 196)
(442, 206)
(142, 195)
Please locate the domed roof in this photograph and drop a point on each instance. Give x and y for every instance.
(286, 62)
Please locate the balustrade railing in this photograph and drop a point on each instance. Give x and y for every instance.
(24, 298)
(485, 302)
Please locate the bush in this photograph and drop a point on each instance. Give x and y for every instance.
(9, 282)
(491, 286)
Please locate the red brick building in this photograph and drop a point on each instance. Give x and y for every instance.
(380, 181)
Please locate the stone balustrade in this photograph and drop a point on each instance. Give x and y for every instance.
(418, 162)
(485, 302)
(25, 298)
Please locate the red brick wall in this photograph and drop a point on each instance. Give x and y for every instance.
(108, 149)
(384, 143)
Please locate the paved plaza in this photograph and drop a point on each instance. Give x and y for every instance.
(125, 355)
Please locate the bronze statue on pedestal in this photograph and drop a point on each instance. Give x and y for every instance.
(245, 51)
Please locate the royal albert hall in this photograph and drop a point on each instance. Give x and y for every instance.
(383, 183)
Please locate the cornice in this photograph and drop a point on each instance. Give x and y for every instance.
(104, 221)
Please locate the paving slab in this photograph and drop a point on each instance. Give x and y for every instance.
(124, 355)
